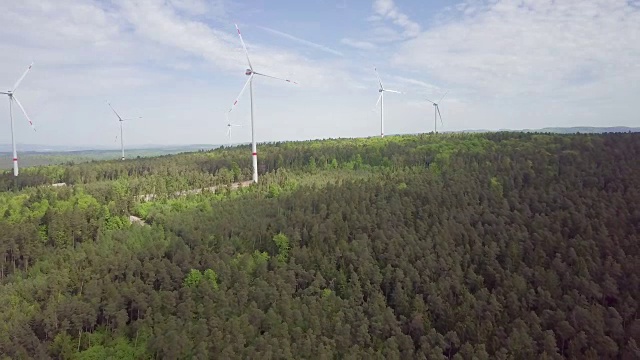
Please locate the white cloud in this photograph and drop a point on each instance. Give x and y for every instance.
(528, 64)
(388, 25)
(387, 9)
(530, 47)
(159, 22)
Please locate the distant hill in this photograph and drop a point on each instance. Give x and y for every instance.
(568, 130)
(34, 155)
(587, 130)
(80, 148)
(100, 150)
(43, 155)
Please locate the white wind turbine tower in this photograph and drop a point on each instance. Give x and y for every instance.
(380, 101)
(121, 120)
(436, 110)
(12, 98)
(250, 73)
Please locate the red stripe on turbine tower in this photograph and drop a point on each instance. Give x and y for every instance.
(254, 154)
(15, 159)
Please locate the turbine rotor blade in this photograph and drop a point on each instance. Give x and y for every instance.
(24, 112)
(378, 76)
(378, 102)
(21, 78)
(273, 77)
(440, 115)
(240, 95)
(394, 91)
(430, 101)
(115, 112)
(244, 47)
(445, 94)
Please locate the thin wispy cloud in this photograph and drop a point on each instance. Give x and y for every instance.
(421, 85)
(358, 44)
(159, 22)
(207, 8)
(302, 41)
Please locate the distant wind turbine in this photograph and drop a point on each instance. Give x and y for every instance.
(12, 98)
(229, 127)
(250, 73)
(436, 110)
(121, 120)
(380, 101)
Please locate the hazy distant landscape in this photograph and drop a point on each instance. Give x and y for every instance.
(36, 155)
(52, 155)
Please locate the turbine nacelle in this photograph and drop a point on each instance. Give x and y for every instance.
(248, 72)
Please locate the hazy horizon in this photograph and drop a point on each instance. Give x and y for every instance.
(6, 148)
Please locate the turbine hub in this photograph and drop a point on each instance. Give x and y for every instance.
(380, 90)
(248, 72)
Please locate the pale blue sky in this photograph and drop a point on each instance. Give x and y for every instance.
(179, 65)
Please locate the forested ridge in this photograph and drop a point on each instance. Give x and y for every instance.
(483, 246)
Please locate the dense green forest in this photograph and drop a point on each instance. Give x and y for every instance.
(460, 246)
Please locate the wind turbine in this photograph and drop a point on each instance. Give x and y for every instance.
(12, 98)
(229, 127)
(436, 110)
(380, 101)
(121, 120)
(250, 73)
